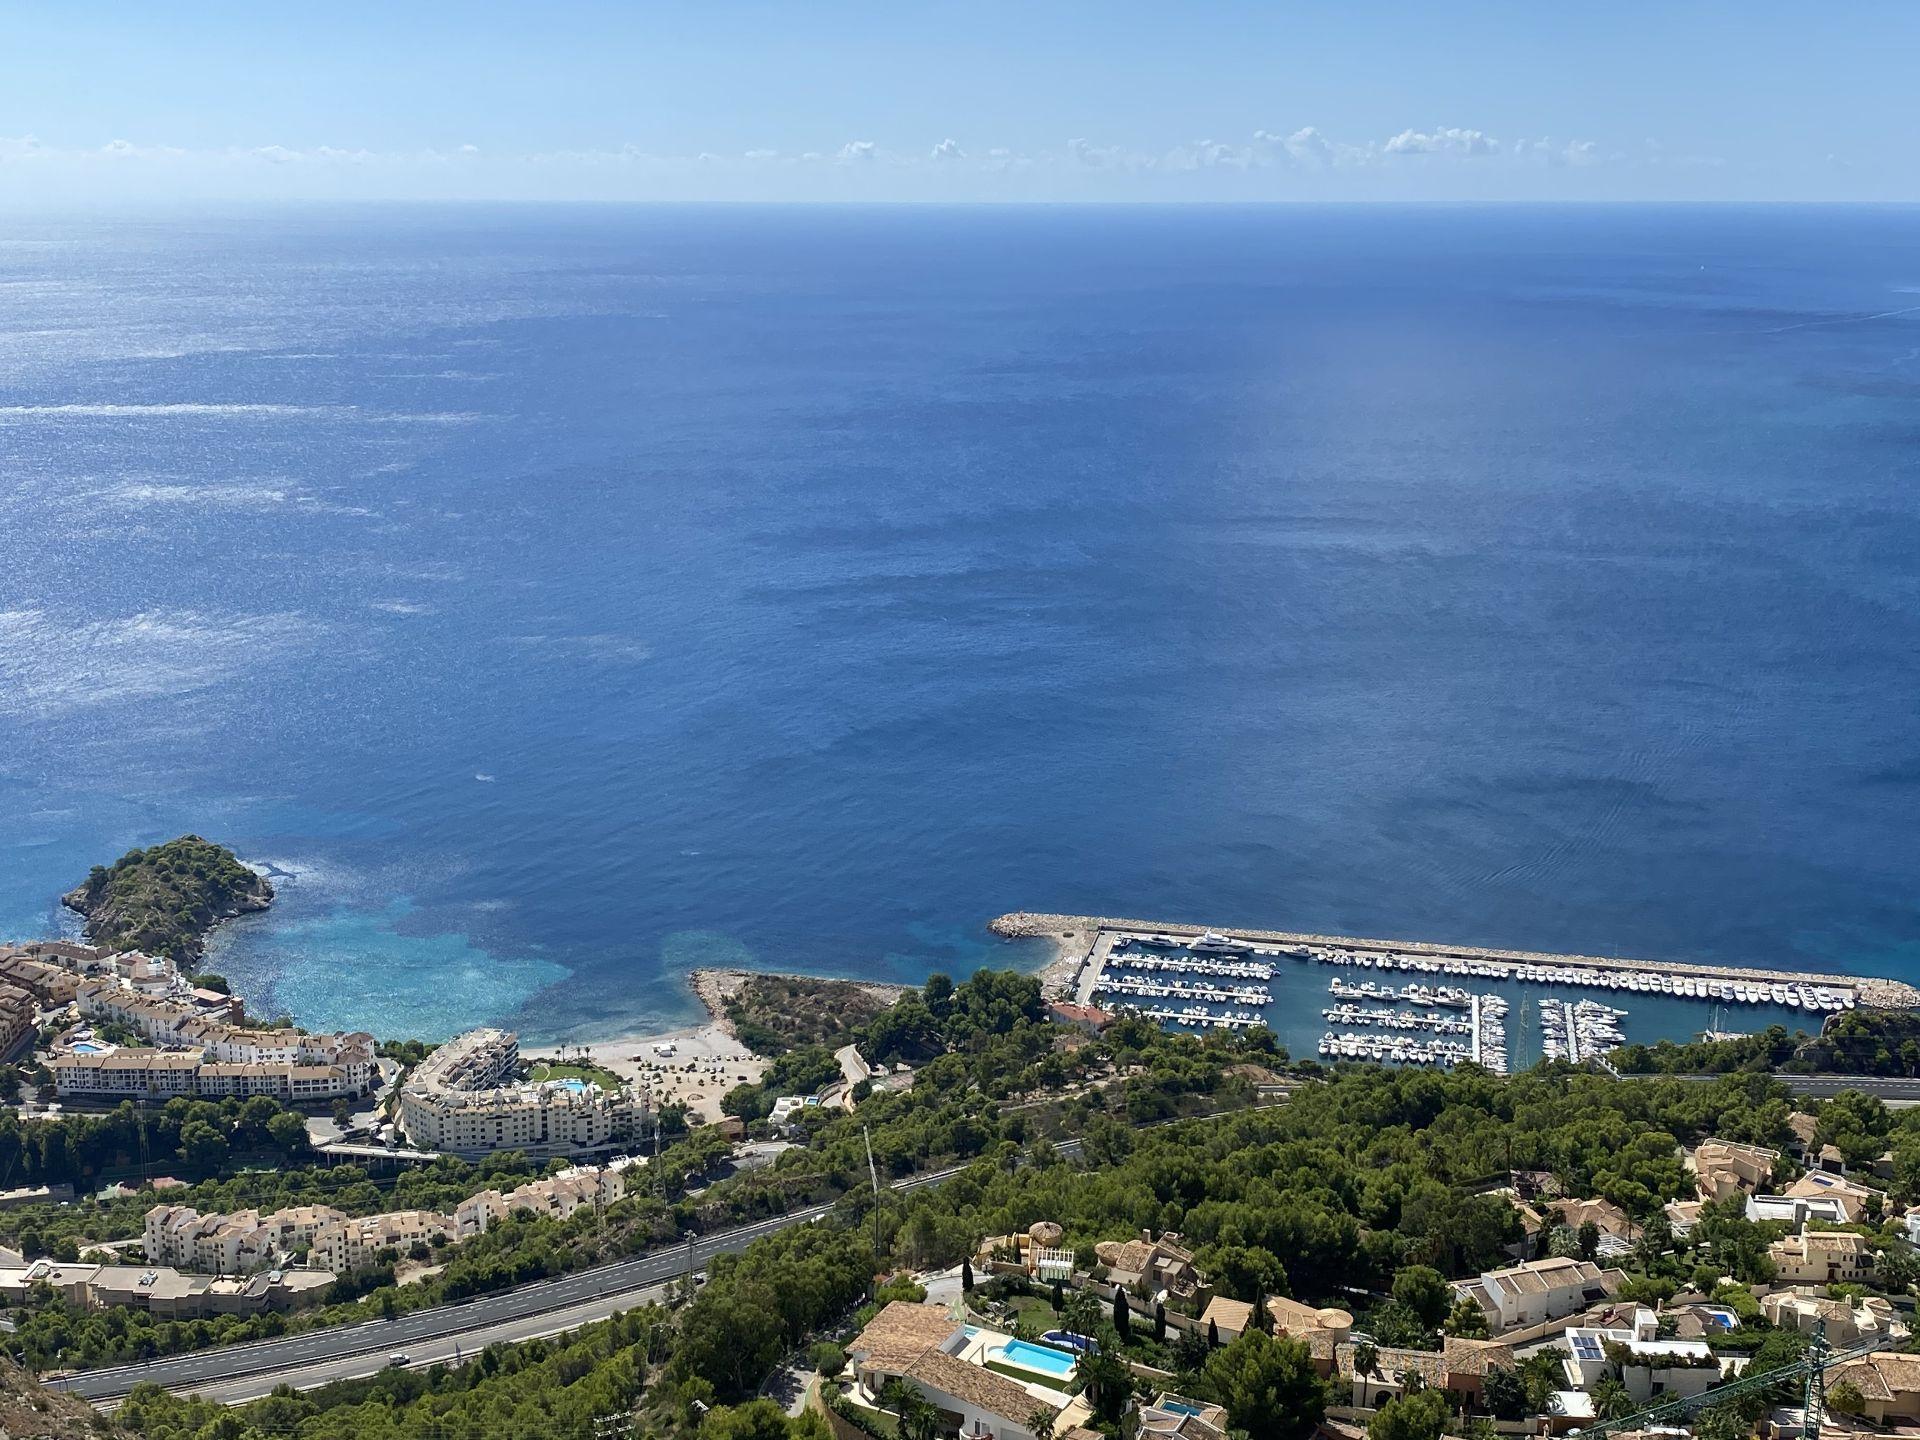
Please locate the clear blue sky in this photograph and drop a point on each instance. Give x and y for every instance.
(981, 101)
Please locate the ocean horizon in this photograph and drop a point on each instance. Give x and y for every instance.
(557, 599)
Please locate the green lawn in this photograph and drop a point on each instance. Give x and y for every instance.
(592, 1074)
(1035, 1308)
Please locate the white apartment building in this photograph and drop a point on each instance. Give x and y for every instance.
(348, 1245)
(556, 1198)
(458, 1100)
(181, 1236)
(213, 1057)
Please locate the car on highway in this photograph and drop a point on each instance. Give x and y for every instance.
(398, 1360)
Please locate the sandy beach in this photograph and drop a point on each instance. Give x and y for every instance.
(706, 1062)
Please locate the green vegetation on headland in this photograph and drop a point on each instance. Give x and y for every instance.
(772, 1014)
(1853, 1042)
(164, 900)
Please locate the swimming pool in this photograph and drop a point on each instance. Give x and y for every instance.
(87, 1047)
(1041, 1358)
(577, 1086)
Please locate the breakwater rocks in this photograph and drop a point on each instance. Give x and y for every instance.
(1076, 934)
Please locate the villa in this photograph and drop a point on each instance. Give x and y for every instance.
(1647, 1365)
(1856, 1201)
(1838, 1322)
(1174, 1417)
(924, 1347)
(1459, 1367)
(1796, 1210)
(1723, 1169)
(1161, 1267)
(1889, 1382)
(1822, 1257)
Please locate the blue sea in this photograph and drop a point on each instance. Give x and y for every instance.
(558, 599)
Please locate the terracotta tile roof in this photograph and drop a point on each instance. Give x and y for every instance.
(901, 1333)
(1234, 1315)
(1391, 1362)
(1297, 1319)
(1609, 1217)
(980, 1387)
(1881, 1376)
(1475, 1357)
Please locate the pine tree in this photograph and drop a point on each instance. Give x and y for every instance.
(1122, 1315)
(966, 1277)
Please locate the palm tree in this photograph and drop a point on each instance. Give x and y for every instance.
(1611, 1400)
(1081, 1314)
(1366, 1363)
(918, 1419)
(1040, 1424)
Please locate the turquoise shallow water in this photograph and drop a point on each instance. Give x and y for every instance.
(560, 599)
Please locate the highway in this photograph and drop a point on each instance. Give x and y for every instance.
(1894, 1090)
(235, 1373)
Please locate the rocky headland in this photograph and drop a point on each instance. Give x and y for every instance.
(165, 899)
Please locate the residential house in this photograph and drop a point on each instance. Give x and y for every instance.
(1160, 1268)
(1723, 1169)
(1889, 1382)
(1682, 1216)
(1822, 1257)
(1304, 1322)
(1838, 1322)
(1858, 1203)
(1226, 1317)
(1804, 1144)
(924, 1347)
(1089, 1018)
(1459, 1367)
(1540, 1290)
(1648, 1366)
(1174, 1417)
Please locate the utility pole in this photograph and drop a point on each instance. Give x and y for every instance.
(874, 1175)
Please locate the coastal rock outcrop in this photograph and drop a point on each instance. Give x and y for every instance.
(165, 899)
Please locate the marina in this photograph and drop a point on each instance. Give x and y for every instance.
(1197, 1017)
(1584, 1030)
(1181, 990)
(1398, 1020)
(1393, 1049)
(1490, 1033)
(1307, 987)
(1411, 994)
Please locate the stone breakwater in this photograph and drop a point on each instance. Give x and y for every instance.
(1076, 935)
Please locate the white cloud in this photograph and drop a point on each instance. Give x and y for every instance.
(858, 152)
(948, 149)
(1305, 146)
(1450, 141)
(1209, 155)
